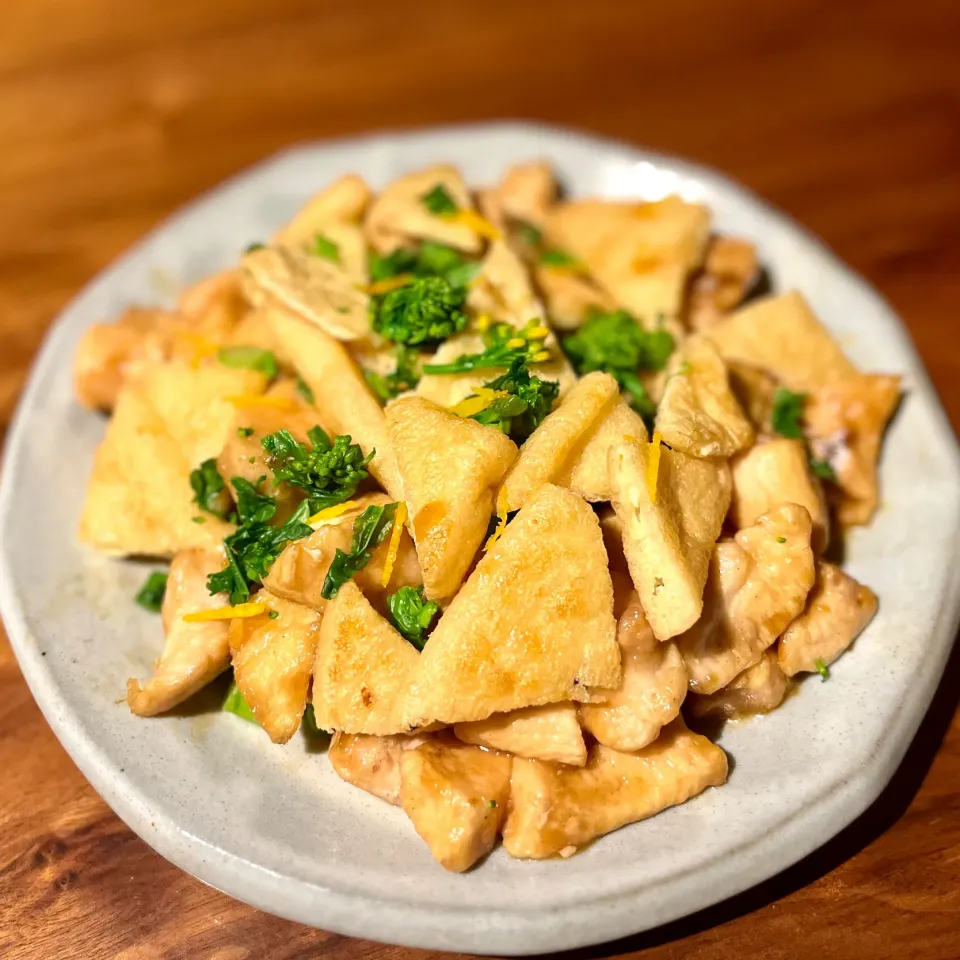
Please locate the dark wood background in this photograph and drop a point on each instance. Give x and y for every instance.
(115, 112)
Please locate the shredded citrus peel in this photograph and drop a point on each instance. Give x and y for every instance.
(501, 521)
(474, 221)
(331, 513)
(653, 466)
(246, 401)
(242, 611)
(379, 287)
(202, 348)
(399, 519)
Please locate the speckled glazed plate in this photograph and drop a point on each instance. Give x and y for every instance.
(275, 826)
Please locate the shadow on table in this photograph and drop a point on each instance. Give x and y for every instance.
(878, 818)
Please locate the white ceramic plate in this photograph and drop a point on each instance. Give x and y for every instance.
(274, 826)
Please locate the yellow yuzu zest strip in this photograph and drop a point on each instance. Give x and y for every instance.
(653, 466)
(246, 401)
(329, 513)
(473, 221)
(399, 519)
(481, 399)
(241, 611)
(378, 287)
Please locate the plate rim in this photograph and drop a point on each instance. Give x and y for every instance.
(397, 920)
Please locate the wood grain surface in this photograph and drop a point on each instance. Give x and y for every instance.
(115, 112)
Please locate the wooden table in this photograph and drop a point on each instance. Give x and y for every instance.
(113, 113)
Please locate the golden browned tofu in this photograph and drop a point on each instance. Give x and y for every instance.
(671, 513)
(456, 796)
(730, 269)
(193, 653)
(782, 336)
(213, 307)
(845, 422)
(139, 499)
(318, 290)
(502, 288)
(778, 471)
(110, 354)
(527, 191)
(341, 395)
(371, 763)
(649, 696)
(342, 201)
(758, 583)
(698, 414)
(555, 809)
(759, 689)
(361, 667)
(546, 451)
(640, 253)
(754, 389)
(399, 213)
(586, 470)
(837, 611)
(298, 573)
(550, 732)
(272, 663)
(533, 623)
(570, 297)
(450, 468)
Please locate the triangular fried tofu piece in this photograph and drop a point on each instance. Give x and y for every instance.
(342, 201)
(671, 512)
(533, 623)
(361, 667)
(698, 414)
(450, 468)
(166, 424)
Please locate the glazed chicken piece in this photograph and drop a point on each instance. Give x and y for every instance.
(758, 583)
(371, 763)
(456, 795)
(837, 611)
(654, 685)
(555, 809)
(193, 653)
(759, 689)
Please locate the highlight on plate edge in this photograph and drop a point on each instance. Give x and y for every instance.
(499, 489)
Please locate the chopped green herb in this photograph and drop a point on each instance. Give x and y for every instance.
(437, 260)
(505, 345)
(252, 505)
(412, 614)
(822, 669)
(251, 459)
(234, 702)
(326, 248)
(493, 804)
(529, 233)
(303, 388)
(529, 400)
(249, 358)
(254, 247)
(787, 413)
(329, 472)
(151, 593)
(252, 550)
(616, 344)
(199, 519)
(369, 530)
(557, 258)
(310, 727)
(438, 201)
(273, 614)
(781, 539)
(404, 377)
(427, 311)
(209, 491)
(392, 265)
(823, 470)
(244, 432)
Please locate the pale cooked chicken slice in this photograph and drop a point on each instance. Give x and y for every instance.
(837, 611)
(778, 471)
(653, 687)
(299, 572)
(456, 796)
(758, 583)
(555, 809)
(193, 653)
(548, 448)
(759, 689)
(371, 763)
(450, 467)
(272, 662)
(550, 732)
(671, 509)
(400, 212)
(343, 200)
(527, 191)
(698, 413)
(845, 422)
(318, 290)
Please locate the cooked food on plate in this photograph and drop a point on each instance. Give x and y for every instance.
(496, 488)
